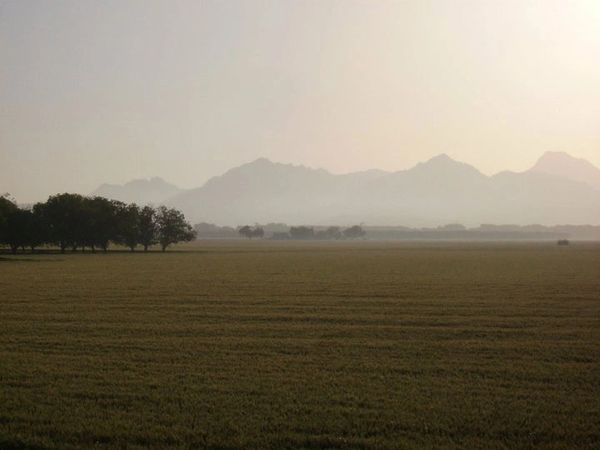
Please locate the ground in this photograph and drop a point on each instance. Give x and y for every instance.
(269, 345)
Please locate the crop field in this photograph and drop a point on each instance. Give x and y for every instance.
(275, 345)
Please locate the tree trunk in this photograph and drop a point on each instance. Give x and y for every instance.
(145, 247)
(14, 248)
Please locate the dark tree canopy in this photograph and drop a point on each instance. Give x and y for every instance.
(302, 232)
(172, 227)
(72, 221)
(249, 232)
(329, 233)
(128, 225)
(147, 227)
(7, 209)
(246, 231)
(354, 232)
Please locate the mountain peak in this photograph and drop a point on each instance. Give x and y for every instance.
(264, 165)
(563, 165)
(549, 157)
(141, 191)
(262, 161)
(441, 157)
(443, 162)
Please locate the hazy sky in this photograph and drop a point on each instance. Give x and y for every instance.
(108, 91)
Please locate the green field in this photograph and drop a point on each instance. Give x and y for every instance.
(266, 345)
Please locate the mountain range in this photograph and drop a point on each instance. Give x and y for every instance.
(152, 191)
(558, 189)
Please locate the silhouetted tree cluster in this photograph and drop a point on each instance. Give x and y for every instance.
(302, 232)
(354, 232)
(72, 221)
(249, 232)
(329, 233)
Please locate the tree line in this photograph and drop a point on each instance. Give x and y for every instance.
(73, 221)
(306, 233)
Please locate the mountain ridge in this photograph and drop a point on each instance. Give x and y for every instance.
(152, 190)
(431, 193)
(566, 166)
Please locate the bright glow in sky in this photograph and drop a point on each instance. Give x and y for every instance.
(94, 92)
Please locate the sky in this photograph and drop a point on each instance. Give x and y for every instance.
(94, 92)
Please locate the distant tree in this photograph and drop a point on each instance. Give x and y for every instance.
(17, 225)
(7, 208)
(354, 232)
(64, 217)
(147, 227)
(329, 233)
(302, 232)
(258, 232)
(103, 222)
(246, 231)
(172, 227)
(36, 230)
(452, 227)
(128, 226)
(209, 230)
(272, 228)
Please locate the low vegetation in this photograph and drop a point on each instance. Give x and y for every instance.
(459, 232)
(275, 345)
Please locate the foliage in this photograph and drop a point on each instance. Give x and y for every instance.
(329, 233)
(354, 232)
(302, 232)
(172, 227)
(147, 227)
(249, 232)
(74, 221)
(7, 209)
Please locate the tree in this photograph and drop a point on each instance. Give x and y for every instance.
(36, 229)
(258, 232)
(7, 208)
(329, 233)
(147, 227)
(64, 217)
(302, 233)
(249, 232)
(128, 224)
(172, 227)
(246, 231)
(354, 232)
(74, 221)
(103, 222)
(17, 224)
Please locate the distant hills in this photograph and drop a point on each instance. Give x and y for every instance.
(145, 191)
(565, 166)
(559, 189)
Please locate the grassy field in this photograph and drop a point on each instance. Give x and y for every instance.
(266, 345)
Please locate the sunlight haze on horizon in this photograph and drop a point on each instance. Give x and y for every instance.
(106, 92)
